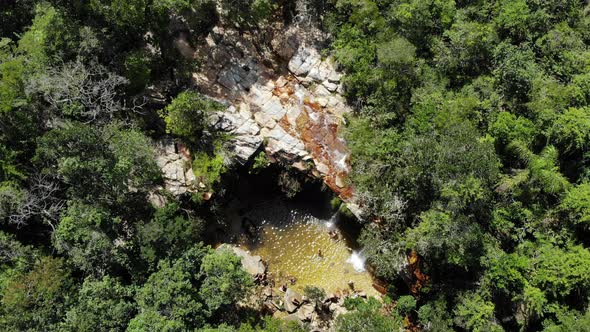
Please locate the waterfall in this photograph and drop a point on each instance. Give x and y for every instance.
(332, 221)
(357, 260)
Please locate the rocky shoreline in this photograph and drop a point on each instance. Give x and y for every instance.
(285, 303)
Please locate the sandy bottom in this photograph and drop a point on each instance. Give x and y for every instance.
(302, 250)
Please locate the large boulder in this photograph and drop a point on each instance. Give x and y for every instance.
(292, 300)
(175, 162)
(243, 130)
(305, 312)
(251, 264)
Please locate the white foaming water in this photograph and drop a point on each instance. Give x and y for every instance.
(357, 261)
(331, 222)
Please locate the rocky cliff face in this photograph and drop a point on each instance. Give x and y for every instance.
(281, 95)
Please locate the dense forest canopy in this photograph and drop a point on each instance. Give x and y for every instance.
(470, 150)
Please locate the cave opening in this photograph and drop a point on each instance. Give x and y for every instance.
(303, 239)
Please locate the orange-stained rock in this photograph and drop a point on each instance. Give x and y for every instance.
(419, 278)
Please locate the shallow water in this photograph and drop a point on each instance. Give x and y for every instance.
(303, 250)
(289, 235)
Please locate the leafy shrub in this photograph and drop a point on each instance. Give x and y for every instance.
(137, 71)
(366, 316)
(405, 304)
(207, 168)
(186, 116)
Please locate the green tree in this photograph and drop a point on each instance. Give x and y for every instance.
(435, 315)
(405, 305)
(571, 130)
(36, 300)
(168, 234)
(514, 19)
(541, 174)
(137, 71)
(469, 49)
(99, 164)
(570, 321)
(85, 235)
(560, 272)
(508, 127)
(150, 320)
(476, 313)
(186, 292)
(446, 239)
(101, 305)
(515, 70)
(576, 204)
(208, 167)
(123, 14)
(420, 20)
(365, 316)
(224, 280)
(563, 52)
(187, 115)
(507, 272)
(12, 71)
(170, 297)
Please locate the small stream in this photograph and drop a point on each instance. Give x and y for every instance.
(302, 240)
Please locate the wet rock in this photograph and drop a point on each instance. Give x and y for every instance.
(291, 318)
(292, 300)
(305, 312)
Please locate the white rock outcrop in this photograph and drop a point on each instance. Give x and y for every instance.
(176, 165)
(282, 96)
(292, 109)
(252, 264)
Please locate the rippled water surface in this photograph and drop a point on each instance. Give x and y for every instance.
(301, 249)
(292, 236)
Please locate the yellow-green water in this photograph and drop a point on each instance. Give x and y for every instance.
(303, 250)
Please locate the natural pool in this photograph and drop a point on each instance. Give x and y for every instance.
(303, 251)
(303, 242)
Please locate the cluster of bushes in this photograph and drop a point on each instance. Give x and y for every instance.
(81, 247)
(470, 146)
